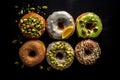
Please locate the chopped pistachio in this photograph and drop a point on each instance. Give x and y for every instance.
(29, 11)
(23, 24)
(66, 45)
(49, 68)
(93, 19)
(16, 6)
(68, 49)
(32, 24)
(21, 20)
(32, 8)
(24, 19)
(60, 65)
(52, 62)
(28, 5)
(95, 23)
(68, 52)
(37, 26)
(41, 67)
(57, 43)
(34, 20)
(22, 30)
(61, 47)
(44, 7)
(37, 12)
(52, 58)
(25, 27)
(31, 18)
(16, 62)
(95, 29)
(25, 31)
(40, 33)
(33, 30)
(21, 11)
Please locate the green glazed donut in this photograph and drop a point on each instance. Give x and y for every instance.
(60, 55)
(88, 25)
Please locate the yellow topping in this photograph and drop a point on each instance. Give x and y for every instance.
(16, 62)
(67, 31)
(41, 67)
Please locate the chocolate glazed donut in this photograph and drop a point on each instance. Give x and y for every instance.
(87, 52)
(32, 52)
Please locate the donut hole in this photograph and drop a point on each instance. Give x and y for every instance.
(59, 55)
(87, 52)
(89, 26)
(60, 24)
(32, 53)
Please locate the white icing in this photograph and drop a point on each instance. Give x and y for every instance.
(52, 23)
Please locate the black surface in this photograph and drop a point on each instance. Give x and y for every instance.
(106, 66)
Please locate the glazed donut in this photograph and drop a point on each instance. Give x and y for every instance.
(60, 25)
(32, 25)
(87, 52)
(32, 52)
(60, 55)
(89, 25)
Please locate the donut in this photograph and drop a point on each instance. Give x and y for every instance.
(32, 25)
(60, 25)
(60, 55)
(87, 52)
(32, 52)
(88, 25)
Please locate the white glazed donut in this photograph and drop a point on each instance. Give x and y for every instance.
(57, 22)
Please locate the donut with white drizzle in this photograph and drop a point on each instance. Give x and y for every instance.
(57, 22)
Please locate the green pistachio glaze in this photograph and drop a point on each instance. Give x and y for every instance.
(31, 26)
(66, 51)
(94, 29)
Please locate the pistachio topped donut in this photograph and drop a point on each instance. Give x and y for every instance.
(60, 55)
(32, 25)
(60, 25)
(89, 25)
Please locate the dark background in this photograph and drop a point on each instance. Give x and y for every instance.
(106, 66)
